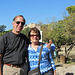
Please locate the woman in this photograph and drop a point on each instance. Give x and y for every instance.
(46, 63)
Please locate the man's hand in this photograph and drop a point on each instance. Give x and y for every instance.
(49, 45)
(54, 72)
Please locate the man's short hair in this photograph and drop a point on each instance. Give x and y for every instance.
(19, 16)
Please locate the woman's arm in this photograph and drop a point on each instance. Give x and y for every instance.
(52, 62)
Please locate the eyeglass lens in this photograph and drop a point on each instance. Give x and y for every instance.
(34, 35)
(18, 22)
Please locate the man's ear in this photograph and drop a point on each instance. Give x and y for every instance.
(13, 23)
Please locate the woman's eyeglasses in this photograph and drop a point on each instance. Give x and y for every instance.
(34, 35)
(18, 22)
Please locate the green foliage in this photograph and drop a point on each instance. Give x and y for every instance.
(25, 31)
(61, 31)
(2, 28)
(2, 33)
(71, 9)
(70, 26)
(45, 30)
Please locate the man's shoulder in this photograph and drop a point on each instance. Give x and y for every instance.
(52, 44)
(23, 36)
(5, 35)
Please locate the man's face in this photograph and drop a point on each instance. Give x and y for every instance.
(18, 24)
(50, 41)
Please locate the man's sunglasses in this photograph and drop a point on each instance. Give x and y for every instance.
(18, 22)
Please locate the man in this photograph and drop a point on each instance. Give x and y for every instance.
(13, 49)
(52, 47)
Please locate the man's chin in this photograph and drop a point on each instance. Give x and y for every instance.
(18, 31)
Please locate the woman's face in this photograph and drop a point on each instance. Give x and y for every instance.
(34, 37)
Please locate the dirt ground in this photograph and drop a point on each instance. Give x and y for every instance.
(66, 68)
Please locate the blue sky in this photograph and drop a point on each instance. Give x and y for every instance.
(33, 11)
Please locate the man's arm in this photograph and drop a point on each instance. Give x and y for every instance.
(0, 63)
(49, 45)
(54, 72)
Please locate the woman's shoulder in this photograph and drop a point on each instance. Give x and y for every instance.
(44, 44)
(29, 46)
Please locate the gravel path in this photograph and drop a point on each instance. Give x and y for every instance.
(65, 69)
